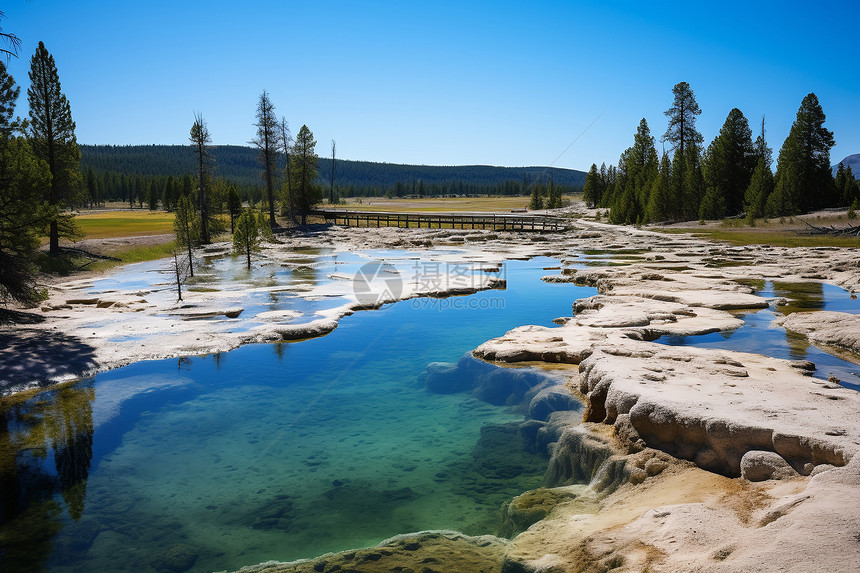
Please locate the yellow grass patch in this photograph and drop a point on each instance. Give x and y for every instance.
(112, 224)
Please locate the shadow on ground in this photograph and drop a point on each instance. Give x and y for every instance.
(29, 357)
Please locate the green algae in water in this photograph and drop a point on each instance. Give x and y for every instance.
(274, 451)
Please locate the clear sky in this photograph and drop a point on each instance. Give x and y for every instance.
(443, 83)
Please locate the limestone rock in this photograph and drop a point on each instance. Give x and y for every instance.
(552, 399)
(757, 465)
(313, 329)
(827, 328)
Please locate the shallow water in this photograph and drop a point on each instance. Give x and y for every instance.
(273, 451)
(758, 334)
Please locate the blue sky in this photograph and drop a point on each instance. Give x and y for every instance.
(443, 83)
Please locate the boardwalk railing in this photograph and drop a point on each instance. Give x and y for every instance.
(496, 222)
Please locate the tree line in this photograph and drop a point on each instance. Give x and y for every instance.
(239, 166)
(731, 177)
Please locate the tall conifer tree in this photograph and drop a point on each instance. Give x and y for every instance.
(803, 177)
(52, 137)
(728, 166)
(682, 135)
(303, 171)
(23, 182)
(200, 141)
(267, 142)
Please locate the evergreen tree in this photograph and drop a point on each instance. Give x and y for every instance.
(92, 188)
(693, 190)
(8, 98)
(52, 137)
(728, 167)
(761, 148)
(803, 177)
(23, 181)
(591, 191)
(200, 141)
(638, 167)
(170, 195)
(267, 142)
(850, 191)
(303, 171)
(287, 198)
(186, 227)
(536, 198)
(682, 118)
(681, 135)
(234, 207)
(660, 197)
(840, 177)
(760, 188)
(246, 236)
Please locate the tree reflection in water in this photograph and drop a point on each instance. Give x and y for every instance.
(46, 447)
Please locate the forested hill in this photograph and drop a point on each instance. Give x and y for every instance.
(239, 164)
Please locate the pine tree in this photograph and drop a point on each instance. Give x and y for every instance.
(267, 142)
(287, 205)
(536, 198)
(638, 168)
(660, 197)
(803, 177)
(8, 98)
(682, 118)
(92, 188)
(728, 167)
(186, 227)
(693, 182)
(23, 182)
(850, 190)
(246, 236)
(234, 207)
(303, 172)
(840, 177)
(200, 141)
(760, 188)
(681, 135)
(52, 137)
(591, 191)
(761, 148)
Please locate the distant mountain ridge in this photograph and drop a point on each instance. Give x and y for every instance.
(852, 161)
(239, 164)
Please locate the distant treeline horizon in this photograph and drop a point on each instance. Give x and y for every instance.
(131, 172)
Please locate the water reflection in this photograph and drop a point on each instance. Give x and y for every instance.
(759, 335)
(46, 447)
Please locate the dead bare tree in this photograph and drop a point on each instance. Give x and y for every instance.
(12, 42)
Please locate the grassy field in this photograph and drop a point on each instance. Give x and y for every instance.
(786, 232)
(777, 238)
(446, 205)
(115, 224)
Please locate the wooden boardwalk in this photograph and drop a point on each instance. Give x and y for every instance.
(493, 221)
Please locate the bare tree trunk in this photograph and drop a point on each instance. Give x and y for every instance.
(178, 277)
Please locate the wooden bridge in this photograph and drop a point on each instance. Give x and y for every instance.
(492, 221)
